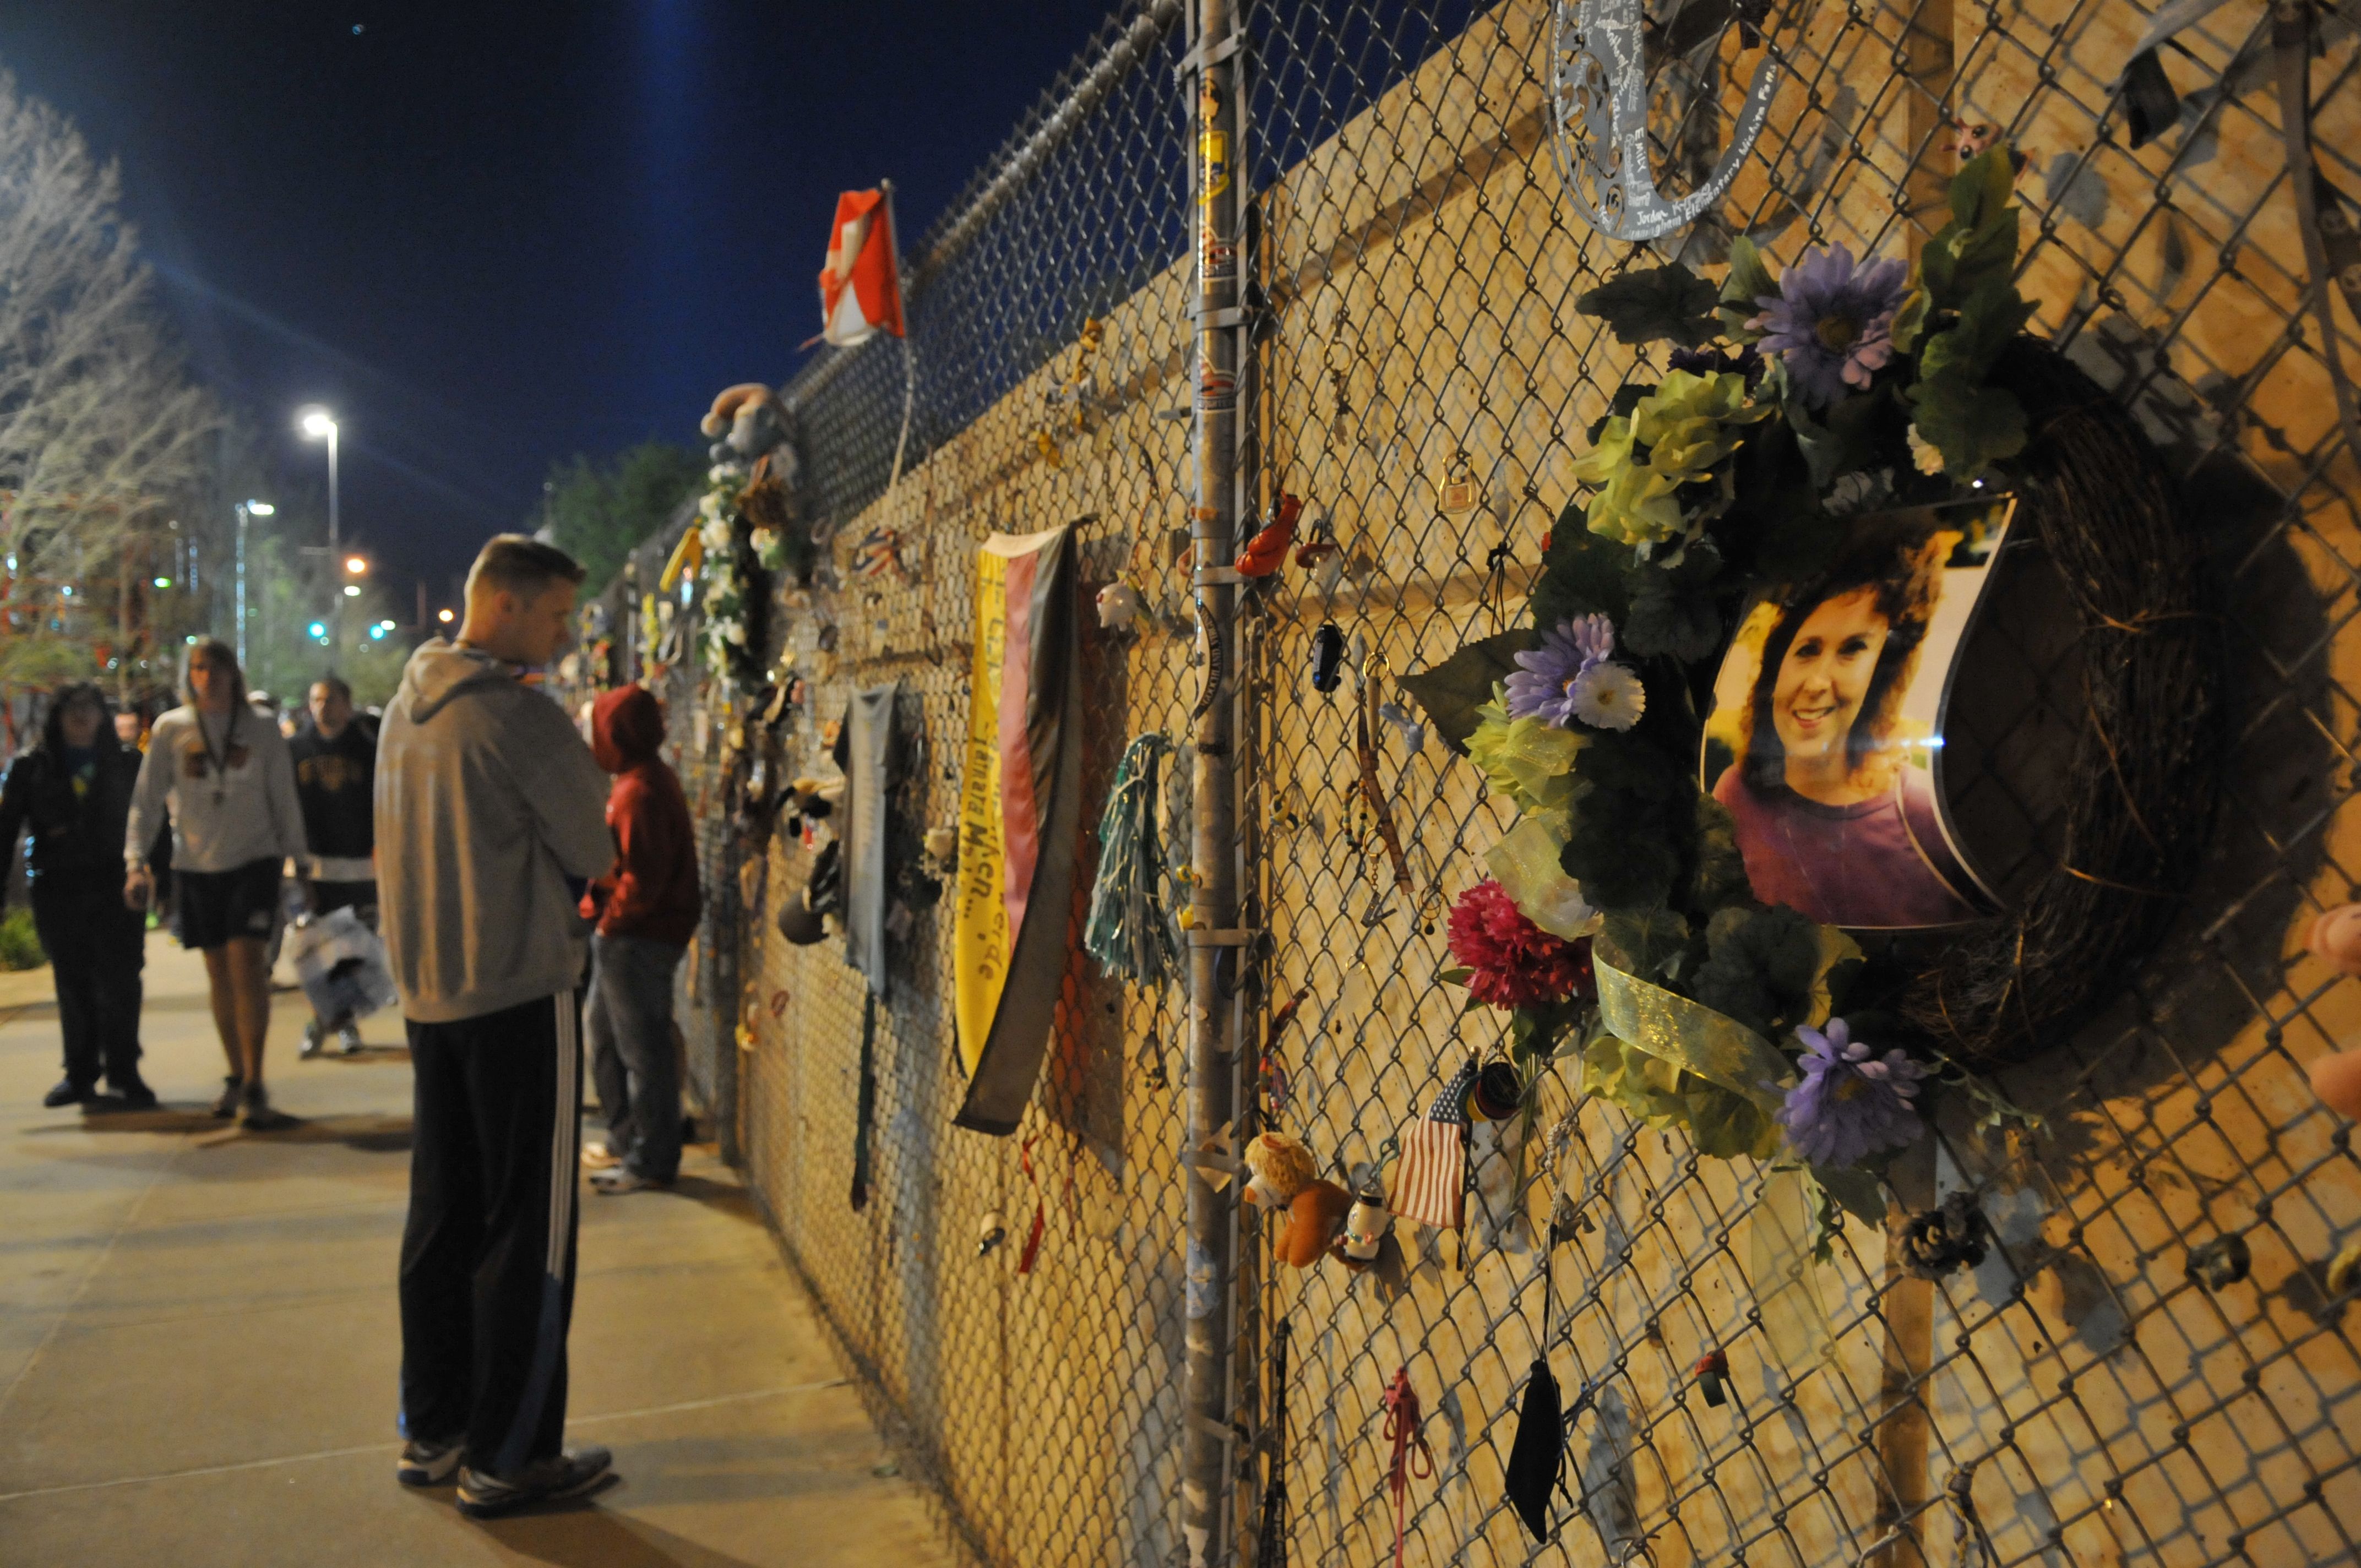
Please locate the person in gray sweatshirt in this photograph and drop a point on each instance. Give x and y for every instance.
(490, 819)
(222, 777)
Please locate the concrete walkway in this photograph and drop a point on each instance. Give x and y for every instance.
(198, 1339)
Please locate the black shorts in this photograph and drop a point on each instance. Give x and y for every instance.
(209, 908)
(327, 897)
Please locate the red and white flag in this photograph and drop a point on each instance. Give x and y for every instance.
(860, 287)
(1430, 1178)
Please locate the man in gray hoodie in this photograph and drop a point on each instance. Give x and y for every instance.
(490, 816)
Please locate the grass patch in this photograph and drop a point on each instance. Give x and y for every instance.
(20, 946)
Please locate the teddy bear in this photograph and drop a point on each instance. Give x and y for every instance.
(746, 422)
(1285, 1176)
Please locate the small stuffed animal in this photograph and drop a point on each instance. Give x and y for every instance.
(745, 423)
(1286, 1177)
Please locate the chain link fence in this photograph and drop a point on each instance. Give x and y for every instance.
(2081, 1396)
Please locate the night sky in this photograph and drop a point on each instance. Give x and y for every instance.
(493, 234)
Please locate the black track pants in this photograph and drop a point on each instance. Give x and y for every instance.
(96, 949)
(487, 1254)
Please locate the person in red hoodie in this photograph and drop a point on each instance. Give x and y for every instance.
(646, 908)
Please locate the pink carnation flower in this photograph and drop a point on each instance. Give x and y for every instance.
(1515, 963)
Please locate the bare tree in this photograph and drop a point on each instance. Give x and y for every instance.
(102, 430)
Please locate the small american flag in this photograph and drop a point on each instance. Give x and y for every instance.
(1430, 1181)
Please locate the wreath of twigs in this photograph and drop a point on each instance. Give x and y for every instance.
(2138, 799)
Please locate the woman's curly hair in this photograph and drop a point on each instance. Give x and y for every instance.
(1903, 565)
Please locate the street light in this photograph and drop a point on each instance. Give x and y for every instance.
(444, 616)
(244, 511)
(355, 565)
(316, 425)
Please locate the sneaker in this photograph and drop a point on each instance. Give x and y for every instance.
(557, 1479)
(257, 1115)
(598, 1157)
(622, 1178)
(426, 1463)
(233, 1095)
(313, 1035)
(350, 1035)
(67, 1092)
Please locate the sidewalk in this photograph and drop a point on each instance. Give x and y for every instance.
(198, 1340)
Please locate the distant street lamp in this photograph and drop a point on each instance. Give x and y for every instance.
(317, 425)
(244, 511)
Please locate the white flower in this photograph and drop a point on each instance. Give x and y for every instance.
(1608, 696)
(1926, 457)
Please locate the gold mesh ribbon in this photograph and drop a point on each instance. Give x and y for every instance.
(1689, 1035)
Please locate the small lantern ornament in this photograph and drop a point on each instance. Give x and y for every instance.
(1366, 1225)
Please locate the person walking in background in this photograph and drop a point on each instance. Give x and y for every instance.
(220, 774)
(646, 908)
(490, 819)
(74, 791)
(131, 732)
(335, 776)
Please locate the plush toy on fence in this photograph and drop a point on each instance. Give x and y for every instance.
(1285, 1176)
(745, 423)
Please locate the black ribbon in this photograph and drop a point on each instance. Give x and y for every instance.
(867, 1108)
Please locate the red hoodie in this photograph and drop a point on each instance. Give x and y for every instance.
(651, 891)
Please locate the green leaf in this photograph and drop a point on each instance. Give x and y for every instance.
(1455, 976)
(1583, 572)
(1717, 876)
(1647, 940)
(1675, 613)
(1759, 968)
(1747, 281)
(1654, 303)
(1841, 442)
(1624, 848)
(1725, 1125)
(1974, 426)
(1979, 245)
(1454, 689)
(1858, 1190)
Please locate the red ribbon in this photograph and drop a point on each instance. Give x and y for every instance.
(1409, 1450)
(1040, 1215)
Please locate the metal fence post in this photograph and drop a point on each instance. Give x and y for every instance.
(1216, 944)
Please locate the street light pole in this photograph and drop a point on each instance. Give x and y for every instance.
(316, 425)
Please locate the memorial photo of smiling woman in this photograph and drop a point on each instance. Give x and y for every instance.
(1823, 732)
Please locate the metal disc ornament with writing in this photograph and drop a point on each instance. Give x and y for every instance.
(1607, 59)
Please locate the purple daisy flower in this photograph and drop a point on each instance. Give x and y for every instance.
(1832, 324)
(1852, 1103)
(1543, 685)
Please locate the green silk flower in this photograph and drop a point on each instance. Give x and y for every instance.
(1530, 761)
(1688, 425)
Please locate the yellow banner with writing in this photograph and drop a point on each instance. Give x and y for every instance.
(980, 940)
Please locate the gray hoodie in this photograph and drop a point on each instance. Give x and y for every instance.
(488, 805)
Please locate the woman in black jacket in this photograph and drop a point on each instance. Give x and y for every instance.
(73, 793)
